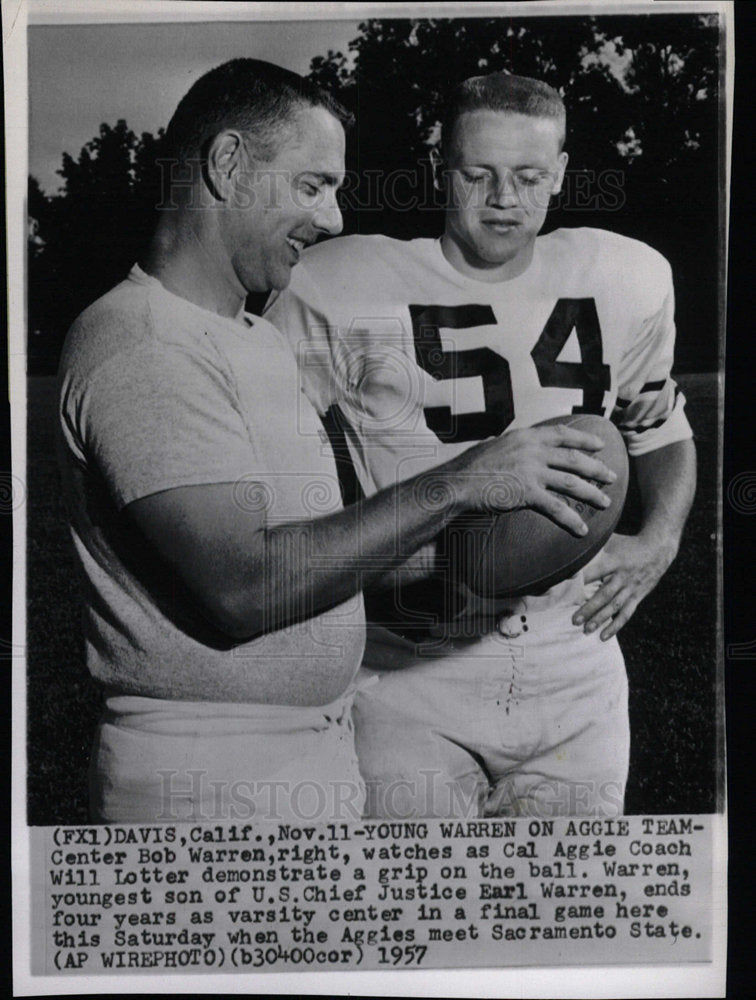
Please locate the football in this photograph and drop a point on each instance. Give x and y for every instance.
(522, 551)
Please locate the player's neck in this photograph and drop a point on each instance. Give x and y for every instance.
(506, 271)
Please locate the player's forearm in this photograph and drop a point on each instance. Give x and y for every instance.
(667, 482)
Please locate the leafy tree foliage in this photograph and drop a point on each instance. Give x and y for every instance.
(87, 238)
(643, 105)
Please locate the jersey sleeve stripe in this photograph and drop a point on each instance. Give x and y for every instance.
(653, 386)
(642, 428)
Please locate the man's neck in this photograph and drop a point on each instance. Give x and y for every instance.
(181, 260)
(505, 271)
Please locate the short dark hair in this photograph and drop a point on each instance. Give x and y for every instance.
(256, 97)
(503, 92)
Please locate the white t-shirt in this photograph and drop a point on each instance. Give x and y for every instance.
(157, 393)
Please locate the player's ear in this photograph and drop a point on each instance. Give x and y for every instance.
(437, 165)
(563, 159)
(224, 162)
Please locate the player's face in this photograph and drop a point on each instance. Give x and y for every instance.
(500, 169)
(287, 202)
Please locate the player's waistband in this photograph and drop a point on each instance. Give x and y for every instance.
(387, 650)
(517, 625)
(511, 618)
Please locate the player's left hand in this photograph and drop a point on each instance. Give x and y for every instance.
(629, 567)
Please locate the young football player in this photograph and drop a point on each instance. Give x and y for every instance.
(417, 349)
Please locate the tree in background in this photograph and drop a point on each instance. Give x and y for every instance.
(643, 107)
(397, 80)
(38, 254)
(89, 235)
(642, 94)
(639, 88)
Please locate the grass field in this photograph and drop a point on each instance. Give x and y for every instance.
(670, 645)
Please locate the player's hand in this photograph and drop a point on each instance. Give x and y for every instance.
(629, 567)
(541, 468)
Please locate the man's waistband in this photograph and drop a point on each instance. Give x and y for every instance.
(212, 718)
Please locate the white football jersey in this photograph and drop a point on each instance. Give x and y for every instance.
(423, 361)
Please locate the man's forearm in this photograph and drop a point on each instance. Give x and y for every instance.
(250, 576)
(667, 483)
(309, 566)
(328, 560)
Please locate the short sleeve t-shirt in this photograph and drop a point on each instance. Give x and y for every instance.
(157, 393)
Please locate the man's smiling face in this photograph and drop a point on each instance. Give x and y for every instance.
(286, 203)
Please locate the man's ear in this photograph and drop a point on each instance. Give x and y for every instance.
(437, 165)
(224, 163)
(563, 160)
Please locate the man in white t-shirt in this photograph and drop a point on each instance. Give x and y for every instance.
(223, 578)
(417, 349)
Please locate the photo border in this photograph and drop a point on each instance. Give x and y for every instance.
(701, 979)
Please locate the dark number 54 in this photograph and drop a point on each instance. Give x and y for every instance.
(590, 374)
